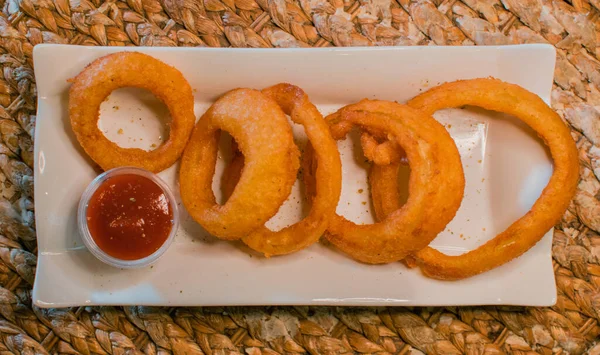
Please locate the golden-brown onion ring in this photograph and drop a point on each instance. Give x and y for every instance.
(264, 136)
(130, 69)
(436, 183)
(520, 236)
(328, 177)
(381, 153)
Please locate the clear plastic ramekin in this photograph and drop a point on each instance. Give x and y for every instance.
(88, 240)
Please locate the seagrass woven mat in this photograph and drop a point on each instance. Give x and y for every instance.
(570, 327)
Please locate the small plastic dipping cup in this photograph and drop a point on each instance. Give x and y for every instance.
(87, 234)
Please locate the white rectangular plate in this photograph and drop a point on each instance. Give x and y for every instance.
(506, 168)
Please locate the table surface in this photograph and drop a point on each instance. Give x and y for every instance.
(569, 327)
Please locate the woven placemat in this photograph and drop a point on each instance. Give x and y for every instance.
(570, 327)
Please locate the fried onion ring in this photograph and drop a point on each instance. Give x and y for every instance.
(264, 137)
(494, 95)
(436, 183)
(130, 69)
(328, 177)
(385, 153)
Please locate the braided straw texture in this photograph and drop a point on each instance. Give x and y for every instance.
(570, 327)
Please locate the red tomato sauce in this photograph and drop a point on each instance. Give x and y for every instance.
(129, 216)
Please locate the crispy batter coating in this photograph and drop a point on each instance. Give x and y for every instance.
(495, 95)
(130, 69)
(436, 182)
(328, 177)
(264, 137)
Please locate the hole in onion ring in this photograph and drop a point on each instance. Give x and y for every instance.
(355, 202)
(227, 173)
(296, 207)
(224, 158)
(507, 138)
(501, 182)
(134, 118)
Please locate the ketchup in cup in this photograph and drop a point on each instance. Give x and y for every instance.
(127, 217)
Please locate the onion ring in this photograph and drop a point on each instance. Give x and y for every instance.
(130, 69)
(495, 95)
(436, 183)
(385, 153)
(328, 177)
(264, 136)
